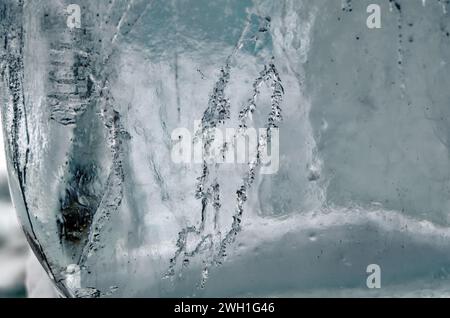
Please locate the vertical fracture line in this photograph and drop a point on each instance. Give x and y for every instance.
(176, 75)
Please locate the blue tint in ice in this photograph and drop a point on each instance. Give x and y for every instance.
(363, 117)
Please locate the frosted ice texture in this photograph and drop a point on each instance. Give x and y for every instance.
(364, 145)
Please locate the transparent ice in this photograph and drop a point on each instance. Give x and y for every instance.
(364, 122)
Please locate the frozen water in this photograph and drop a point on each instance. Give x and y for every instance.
(363, 118)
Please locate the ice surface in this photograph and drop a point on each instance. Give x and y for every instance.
(364, 143)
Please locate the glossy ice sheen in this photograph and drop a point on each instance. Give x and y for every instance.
(364, 125)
